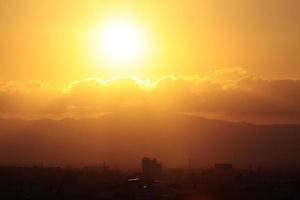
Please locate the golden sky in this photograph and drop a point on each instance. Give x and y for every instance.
(39, 39)
(46, 45)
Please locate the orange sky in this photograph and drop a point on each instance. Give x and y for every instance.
(236, 49)
(41, 38)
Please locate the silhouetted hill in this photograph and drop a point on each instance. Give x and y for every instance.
(123, 138)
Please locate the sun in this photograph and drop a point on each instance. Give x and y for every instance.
(118, 42)
(121, 41)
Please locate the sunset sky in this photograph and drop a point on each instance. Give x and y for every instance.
(232, 60)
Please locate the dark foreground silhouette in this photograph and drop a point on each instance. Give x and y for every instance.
(94, 183)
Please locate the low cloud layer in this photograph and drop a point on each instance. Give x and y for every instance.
(229, 94)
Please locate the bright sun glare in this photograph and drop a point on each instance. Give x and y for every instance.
(118, 42)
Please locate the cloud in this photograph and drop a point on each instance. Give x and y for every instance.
(232, 94)
(23, 98)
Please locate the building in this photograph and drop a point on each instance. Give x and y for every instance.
(223, 166)
(151, 168)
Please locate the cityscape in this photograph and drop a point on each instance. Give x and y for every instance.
(149, 100)
(152, 181)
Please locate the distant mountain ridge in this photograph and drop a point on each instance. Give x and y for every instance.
(122, 139)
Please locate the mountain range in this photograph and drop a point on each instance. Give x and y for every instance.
(121, 139)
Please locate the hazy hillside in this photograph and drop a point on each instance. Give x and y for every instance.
(121, 140)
